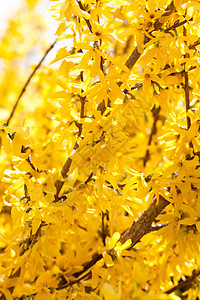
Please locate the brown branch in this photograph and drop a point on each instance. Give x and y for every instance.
(83, 100)
(133, 58)
(155, 112)
(185, 283)
(64, 286)
(101, 64)
(59, 183)
(66, 167)
(197, 43)
(89, 178)
(31, 164)
(141, 226)
(103, 228)
(87, 21)
(28, 81)
(138, 229)
(186, 87)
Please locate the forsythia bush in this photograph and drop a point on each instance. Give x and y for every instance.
(100, 159)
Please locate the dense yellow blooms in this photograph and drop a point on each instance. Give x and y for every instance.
(100, 163)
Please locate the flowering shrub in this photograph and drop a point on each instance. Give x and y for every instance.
(99, 164)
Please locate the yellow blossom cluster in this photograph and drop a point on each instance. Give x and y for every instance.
(100, 161)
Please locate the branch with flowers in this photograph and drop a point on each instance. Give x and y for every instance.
(121, 218)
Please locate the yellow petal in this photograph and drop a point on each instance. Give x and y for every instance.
(6, 141)
(140, 40)
(35, 225)
(114, 239)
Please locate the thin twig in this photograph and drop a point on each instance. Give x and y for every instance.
(101, 63)
(155, 112)
(89, 178)
(103, 230)
(186, 87)
(59, 183)
(64, 286)
(27, 83)
(187, 283)
(197, 43)
(176, 25)
(83, 100)
(87, 21)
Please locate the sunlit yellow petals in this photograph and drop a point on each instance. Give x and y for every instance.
(108, 292)
(5, 141)
(126, 245)
(175, 80)
(24, 165)
(193, 131)
(44, 293)
(112, 180)
(35, 224)
(192, 212)
(146, 84)
(49, 186)
(99, 270)
(188, 221)
(36, 194)
(61, 54)
(7, 293)
(65, 10)
(111, 242)
(79, 12)
(127, 208)
(49, 198)
(140, 40)
(61, 29)
(139, 271)
(177, 3)
(18, 143)
(61, 94)
(66, 67)
(115, 92)
(108, 260)
(113, 115)
(198, 226)
(130, 184)
(190, 12)
(162, 98)
(16, 214)
(71, 7)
